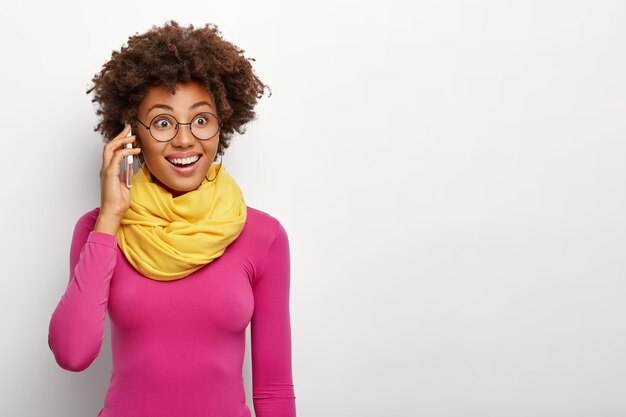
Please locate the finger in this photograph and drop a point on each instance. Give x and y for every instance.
(114, 145)
(122, 134)
(113, 168)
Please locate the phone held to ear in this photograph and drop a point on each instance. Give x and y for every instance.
(128, 163)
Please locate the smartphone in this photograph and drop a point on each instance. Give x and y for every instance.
(128, 163)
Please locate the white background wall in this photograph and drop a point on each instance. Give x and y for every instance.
(451, 175)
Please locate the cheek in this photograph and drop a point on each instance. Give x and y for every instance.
(211, 151)
(151, 152)
(151, 158)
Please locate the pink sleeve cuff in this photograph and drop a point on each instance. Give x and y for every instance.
(102, 238)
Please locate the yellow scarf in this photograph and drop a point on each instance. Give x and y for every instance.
(167, 238)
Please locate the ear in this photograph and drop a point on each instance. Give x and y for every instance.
(137, 143)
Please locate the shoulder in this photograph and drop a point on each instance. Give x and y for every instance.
(267, 240)
(83, 232)
(265, 236)
(87, 221)
(264, 226)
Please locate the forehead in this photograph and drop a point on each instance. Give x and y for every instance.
(187, 93)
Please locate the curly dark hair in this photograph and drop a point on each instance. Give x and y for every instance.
(170, 54)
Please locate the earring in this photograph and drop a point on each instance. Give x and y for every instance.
(147, 173)
(218, 170)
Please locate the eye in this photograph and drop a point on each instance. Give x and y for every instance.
(201, 120)
(163, 122)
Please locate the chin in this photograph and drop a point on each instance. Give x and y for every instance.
(180, 184)
(180, 189)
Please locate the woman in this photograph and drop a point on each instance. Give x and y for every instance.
(179, 261)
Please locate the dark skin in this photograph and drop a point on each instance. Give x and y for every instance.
(187, 94)
(168, 56)
(115, 197)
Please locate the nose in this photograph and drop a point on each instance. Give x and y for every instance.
(183, 138)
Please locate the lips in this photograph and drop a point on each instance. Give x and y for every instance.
(185, 170)
(183, 166)
(181, 155)
(171, 158)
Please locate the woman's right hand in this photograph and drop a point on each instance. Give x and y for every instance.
(114, 195)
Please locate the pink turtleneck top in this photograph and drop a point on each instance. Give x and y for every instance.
(178, 346)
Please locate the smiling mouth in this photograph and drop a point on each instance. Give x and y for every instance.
(185, 165)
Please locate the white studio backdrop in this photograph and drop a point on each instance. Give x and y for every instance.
(450, 173)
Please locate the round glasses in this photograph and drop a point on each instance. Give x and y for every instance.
(164, 127)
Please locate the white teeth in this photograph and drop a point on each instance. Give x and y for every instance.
(185, 161)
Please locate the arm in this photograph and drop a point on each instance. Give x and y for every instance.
(270, 333)
(76, 327)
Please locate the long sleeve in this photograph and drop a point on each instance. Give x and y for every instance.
(272, 383)
(76, 327)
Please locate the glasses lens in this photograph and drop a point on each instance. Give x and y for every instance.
(204, 126)
(163, 127)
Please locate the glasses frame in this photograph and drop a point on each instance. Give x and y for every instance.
(219, 126)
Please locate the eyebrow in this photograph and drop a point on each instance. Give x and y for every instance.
(166, 107)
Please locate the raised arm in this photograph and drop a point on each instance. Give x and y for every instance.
(76, 327)
(270, 332)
